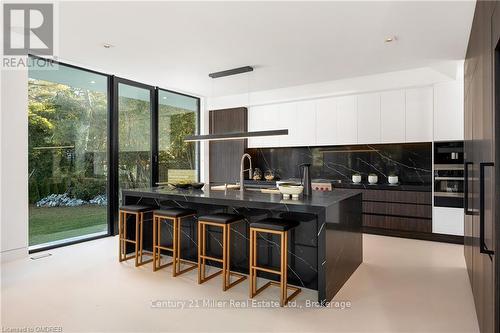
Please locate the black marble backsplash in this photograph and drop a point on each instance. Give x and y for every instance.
(411, 162)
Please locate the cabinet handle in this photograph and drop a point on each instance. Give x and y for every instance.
(482, 246)
(466, 188)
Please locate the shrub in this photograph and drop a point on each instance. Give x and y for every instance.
(87, 188)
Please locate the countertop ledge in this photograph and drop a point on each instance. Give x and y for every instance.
(317, 199)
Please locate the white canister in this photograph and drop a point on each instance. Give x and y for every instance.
(356, 179)
(372, 179)
(393, 180)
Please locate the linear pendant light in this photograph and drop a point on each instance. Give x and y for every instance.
(237, 135)
(234, 136)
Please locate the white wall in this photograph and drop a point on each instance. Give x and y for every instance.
(14, 164)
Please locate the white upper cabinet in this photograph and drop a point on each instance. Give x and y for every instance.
(419, 114)
(449, 111)
(287, 119)
(263, 118)
(347, 120)
(304, 125)
(326, 121)
(392, 116)
(299, 118)
(406, 115)
(369, 118)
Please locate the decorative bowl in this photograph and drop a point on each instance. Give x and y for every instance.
(393, 180)
(197, 186)
(182, 185)
(372, 179)
(290, 190)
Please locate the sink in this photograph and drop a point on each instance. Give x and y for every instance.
(225, 187)
(234, 187)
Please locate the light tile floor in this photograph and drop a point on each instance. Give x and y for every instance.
(402, 286)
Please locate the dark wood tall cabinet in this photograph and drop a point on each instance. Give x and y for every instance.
(482, 162)
(225, 155)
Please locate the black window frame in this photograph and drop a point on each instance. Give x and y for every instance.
(113, 146)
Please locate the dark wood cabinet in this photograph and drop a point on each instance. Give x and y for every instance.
(401, 213)
(481, 155)
(224, 156)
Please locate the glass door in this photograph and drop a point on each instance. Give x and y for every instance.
(134, 108)
(178, 116)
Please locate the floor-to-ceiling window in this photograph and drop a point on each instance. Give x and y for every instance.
(68, 163)
(83, 143)
(177, 118)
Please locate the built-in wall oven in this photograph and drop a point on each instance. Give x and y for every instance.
(449, 174)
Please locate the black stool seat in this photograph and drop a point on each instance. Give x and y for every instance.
(174, 212)
(273, 223)
(136, 208)
(221, 218)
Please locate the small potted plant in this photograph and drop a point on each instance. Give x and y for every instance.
(356, 178)
(372, 178)
(393, 178)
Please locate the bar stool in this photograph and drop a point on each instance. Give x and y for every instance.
(174, 215)
(277, 226)
(138, 211)
(223, 221)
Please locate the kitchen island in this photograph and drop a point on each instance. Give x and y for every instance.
(324, 250)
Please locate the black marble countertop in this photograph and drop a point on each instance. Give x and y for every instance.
(317, 199)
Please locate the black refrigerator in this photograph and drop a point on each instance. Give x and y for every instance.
(482, 162)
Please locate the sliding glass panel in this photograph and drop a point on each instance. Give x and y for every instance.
(177, 118)
(134, 137)
(67, 154)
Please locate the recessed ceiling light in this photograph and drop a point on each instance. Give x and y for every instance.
(390, 39)
(107, 46)
(164, 97)
(92, 81)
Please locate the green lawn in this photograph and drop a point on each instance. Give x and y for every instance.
(48, 224)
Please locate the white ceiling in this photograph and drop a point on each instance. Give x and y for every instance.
(176, 44)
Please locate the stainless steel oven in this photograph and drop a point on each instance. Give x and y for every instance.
(448, 174)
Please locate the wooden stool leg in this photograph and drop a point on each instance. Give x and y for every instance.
(124, 230)
(285, 266)
(255, 244)
(141, 236)
(154, 243)
(250, 263)
(120, 236)
(199, 252)
(227, 278)
(203, 249)
(283, 269)
(224, 257)
(136, 240)
(178, 249)
(174, 247)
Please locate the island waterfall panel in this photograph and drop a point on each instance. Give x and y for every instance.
(324, 250)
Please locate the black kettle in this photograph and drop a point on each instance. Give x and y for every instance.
(306, 178)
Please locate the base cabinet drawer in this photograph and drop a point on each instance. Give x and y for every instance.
(397, 223)
(448, 221)
(397, 209)
(413, 197)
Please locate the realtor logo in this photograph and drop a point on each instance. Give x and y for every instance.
(28, 28)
